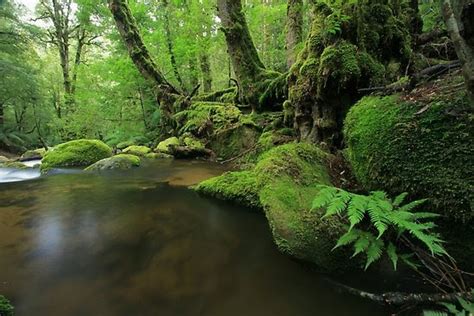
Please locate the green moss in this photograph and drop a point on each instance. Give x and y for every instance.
(4, 159)
(283, 183)
(121, 162)
(80, 152)
(13, 164)
(137, 150)
(164, 146)
(229, 143)
(123, 145)
(239, 187)
(6, 308)
(203, 118)
(429, 154)
(158, 156)
(192, 142)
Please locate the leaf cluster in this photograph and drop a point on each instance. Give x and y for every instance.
(377, 224)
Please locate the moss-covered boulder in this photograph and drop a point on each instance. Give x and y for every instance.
(33, 154)
(140, 151)
(120, 162)
(76, 153)
(158, 156)
(424, 149)
(13, 164)
(284, 183)
(6, 308)
(165, 146)
(239, 187)
(4, 159)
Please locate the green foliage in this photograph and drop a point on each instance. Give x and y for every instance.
(6, 309)
(82, 152)
(389, 221)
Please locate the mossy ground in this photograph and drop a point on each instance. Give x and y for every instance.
(82, 152)
(283, 184)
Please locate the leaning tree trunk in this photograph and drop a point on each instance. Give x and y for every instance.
(458, 16)
(248, 67)
(128, 29)
(294, 29)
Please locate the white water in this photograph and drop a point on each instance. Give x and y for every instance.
(15, 175)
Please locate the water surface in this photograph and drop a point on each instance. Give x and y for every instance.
(140, 243)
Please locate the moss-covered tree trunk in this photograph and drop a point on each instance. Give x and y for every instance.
(128, 29)
(247, 65)
(459, 18)
(294, 29)
(206, 72)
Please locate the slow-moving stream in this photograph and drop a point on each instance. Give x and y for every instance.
(138, 242)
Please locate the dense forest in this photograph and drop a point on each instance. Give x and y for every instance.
(348, 124)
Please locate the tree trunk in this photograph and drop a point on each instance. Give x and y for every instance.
(128, 29)
(206, 72)
(81, 37)
(458, 16)
(193, 77)
(169, 43)
(248, 67)
(2, 116)
(294, 29)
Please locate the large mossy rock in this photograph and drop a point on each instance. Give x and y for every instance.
(118, 162)
(165, 146)
(76, 153)
(284, 183)
(425, 149)
(140, 151)
(394, 146)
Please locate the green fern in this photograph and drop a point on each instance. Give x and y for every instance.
(384, 215)
(463, 308)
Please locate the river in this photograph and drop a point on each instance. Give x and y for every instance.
(139, 242)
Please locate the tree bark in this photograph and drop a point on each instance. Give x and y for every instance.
(206, 72)
(138, 52)
(294, 29)
(458, 16)
(247, 65)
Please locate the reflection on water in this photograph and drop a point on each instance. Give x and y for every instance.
(139, 243)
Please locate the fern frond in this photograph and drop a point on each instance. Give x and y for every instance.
(348, 238)
(374, 252)
(356, 210)
(410, 206)
(406, 258)
(392, 254)
(399, 199)
(361, 244)
(377, 216)
(434, 313)
(324, 197)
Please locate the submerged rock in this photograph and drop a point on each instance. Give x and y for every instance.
(13, 164)
(75, 153)
(120, 162)
(137, 150)
(284, 183)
